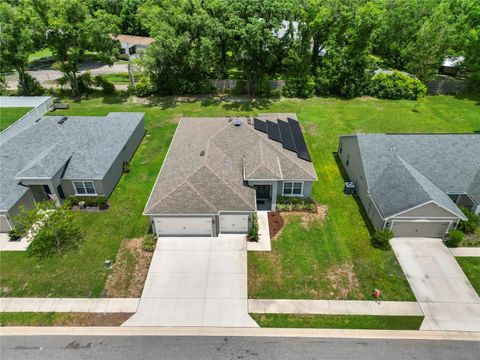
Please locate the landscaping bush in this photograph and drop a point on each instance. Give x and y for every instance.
(380, 239)
(141, 89)
(148, 242)
(253, 232)
(14, 234)
(303, 87)
(453, 238)
(396, 86)
(91, 201)
(107, 86)
(473, 222)
(292, 203)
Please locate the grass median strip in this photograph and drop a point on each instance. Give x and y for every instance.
(62, 319)
(338, 321)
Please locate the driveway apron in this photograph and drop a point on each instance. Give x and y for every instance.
(196, 281)
(444, 293)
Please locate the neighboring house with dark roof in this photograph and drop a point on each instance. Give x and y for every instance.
(218, 171)
(58, 156)
(414, 183)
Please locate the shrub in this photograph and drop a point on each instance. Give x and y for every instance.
(380, 239)
(473, 222)
(253, 232)
(14, 234)
(148, 242)
(453, 238)
(303, 87)
(107, 86)
(31, 87)
(141, 89)
(263, 87)
(396, 86)
(93, 201)
(85, 82)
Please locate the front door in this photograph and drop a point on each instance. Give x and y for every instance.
(263, 191)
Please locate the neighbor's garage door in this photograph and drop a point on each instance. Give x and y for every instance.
(234, 223)
(172, 226)
(420, 229)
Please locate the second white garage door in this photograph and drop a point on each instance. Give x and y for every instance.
(420, 229)
(173, 226)
(234, 223)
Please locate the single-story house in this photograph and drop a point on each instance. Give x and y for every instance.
(414, 183)
(131, 44)
(219, 171)
(58, 156)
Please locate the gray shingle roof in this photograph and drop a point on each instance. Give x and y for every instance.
(192, 183)
(406, 170)
(90, 144)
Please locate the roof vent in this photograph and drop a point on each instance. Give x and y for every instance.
(62, 120)
(237, 122)
(202, 152)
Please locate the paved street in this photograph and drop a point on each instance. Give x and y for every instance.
(444, 293)
(211, 348)
(196, 281)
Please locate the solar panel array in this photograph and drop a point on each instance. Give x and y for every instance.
(288, 133)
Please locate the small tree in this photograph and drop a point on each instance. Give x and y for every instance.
(56, 234)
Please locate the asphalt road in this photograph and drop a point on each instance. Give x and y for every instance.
(238, 348)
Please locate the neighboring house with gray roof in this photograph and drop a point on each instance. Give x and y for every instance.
(218, 171)
(59, 156)
(414, 183)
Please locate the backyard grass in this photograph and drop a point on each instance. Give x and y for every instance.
(471, 268)
(9, 115)
(301, 259)
(338, 321)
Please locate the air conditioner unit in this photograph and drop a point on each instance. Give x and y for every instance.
(349, 188)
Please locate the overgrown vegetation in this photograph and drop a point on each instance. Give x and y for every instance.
(253, 232)
(381, 239)
(471, 224)
(453, 238)
(396, 86)
(148, 242)
(87, 201)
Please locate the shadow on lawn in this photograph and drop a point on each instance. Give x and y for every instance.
(472, 97)
(361, 209)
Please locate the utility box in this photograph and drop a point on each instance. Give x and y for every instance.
(349, 188)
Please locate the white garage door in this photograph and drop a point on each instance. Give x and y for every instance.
(173, 226)
(234, 223)
(420, 229)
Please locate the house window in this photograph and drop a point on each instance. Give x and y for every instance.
(84, 188)
(293, 188)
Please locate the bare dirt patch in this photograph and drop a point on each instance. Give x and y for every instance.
(92, 319)
(343, 280)
(129, 271)
(307, 217)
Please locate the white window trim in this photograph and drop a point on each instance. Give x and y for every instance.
(84, 181)
(292, 194)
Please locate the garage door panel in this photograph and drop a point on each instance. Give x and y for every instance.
(420, 229)
(177, 226)
(234, 223)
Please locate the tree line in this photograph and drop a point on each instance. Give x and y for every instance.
(317, 46)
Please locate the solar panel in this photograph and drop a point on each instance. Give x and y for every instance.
(273, 131)
(286, 134)
(298, 139)
(260, 125)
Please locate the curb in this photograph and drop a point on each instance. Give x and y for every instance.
(241, 332)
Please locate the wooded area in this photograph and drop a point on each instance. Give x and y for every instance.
(323, 47)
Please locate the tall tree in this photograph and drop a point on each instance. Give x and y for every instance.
(18, 39)
(71, 30)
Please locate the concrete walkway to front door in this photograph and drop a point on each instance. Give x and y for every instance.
(444, 293)
(196, 281)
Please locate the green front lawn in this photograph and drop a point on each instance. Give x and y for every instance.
(338, 321)
(118, 78)
(301, 259)
(9, 115)
(471, 268)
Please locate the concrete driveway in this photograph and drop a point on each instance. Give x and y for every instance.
(196, 281)
(444, 293)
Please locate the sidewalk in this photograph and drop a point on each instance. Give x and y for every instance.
(335, 307)
(465, 251)
(101, 305)
(263, 243)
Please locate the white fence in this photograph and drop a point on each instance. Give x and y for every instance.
(40, 105)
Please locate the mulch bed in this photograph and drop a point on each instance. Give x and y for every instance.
(88, 209)
(275, 223)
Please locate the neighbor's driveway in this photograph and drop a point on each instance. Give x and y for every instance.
(444, 293)
(196, 281)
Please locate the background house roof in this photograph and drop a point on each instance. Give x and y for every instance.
(135, 40)
(406, 170)
(88, 144)
(210, 159)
